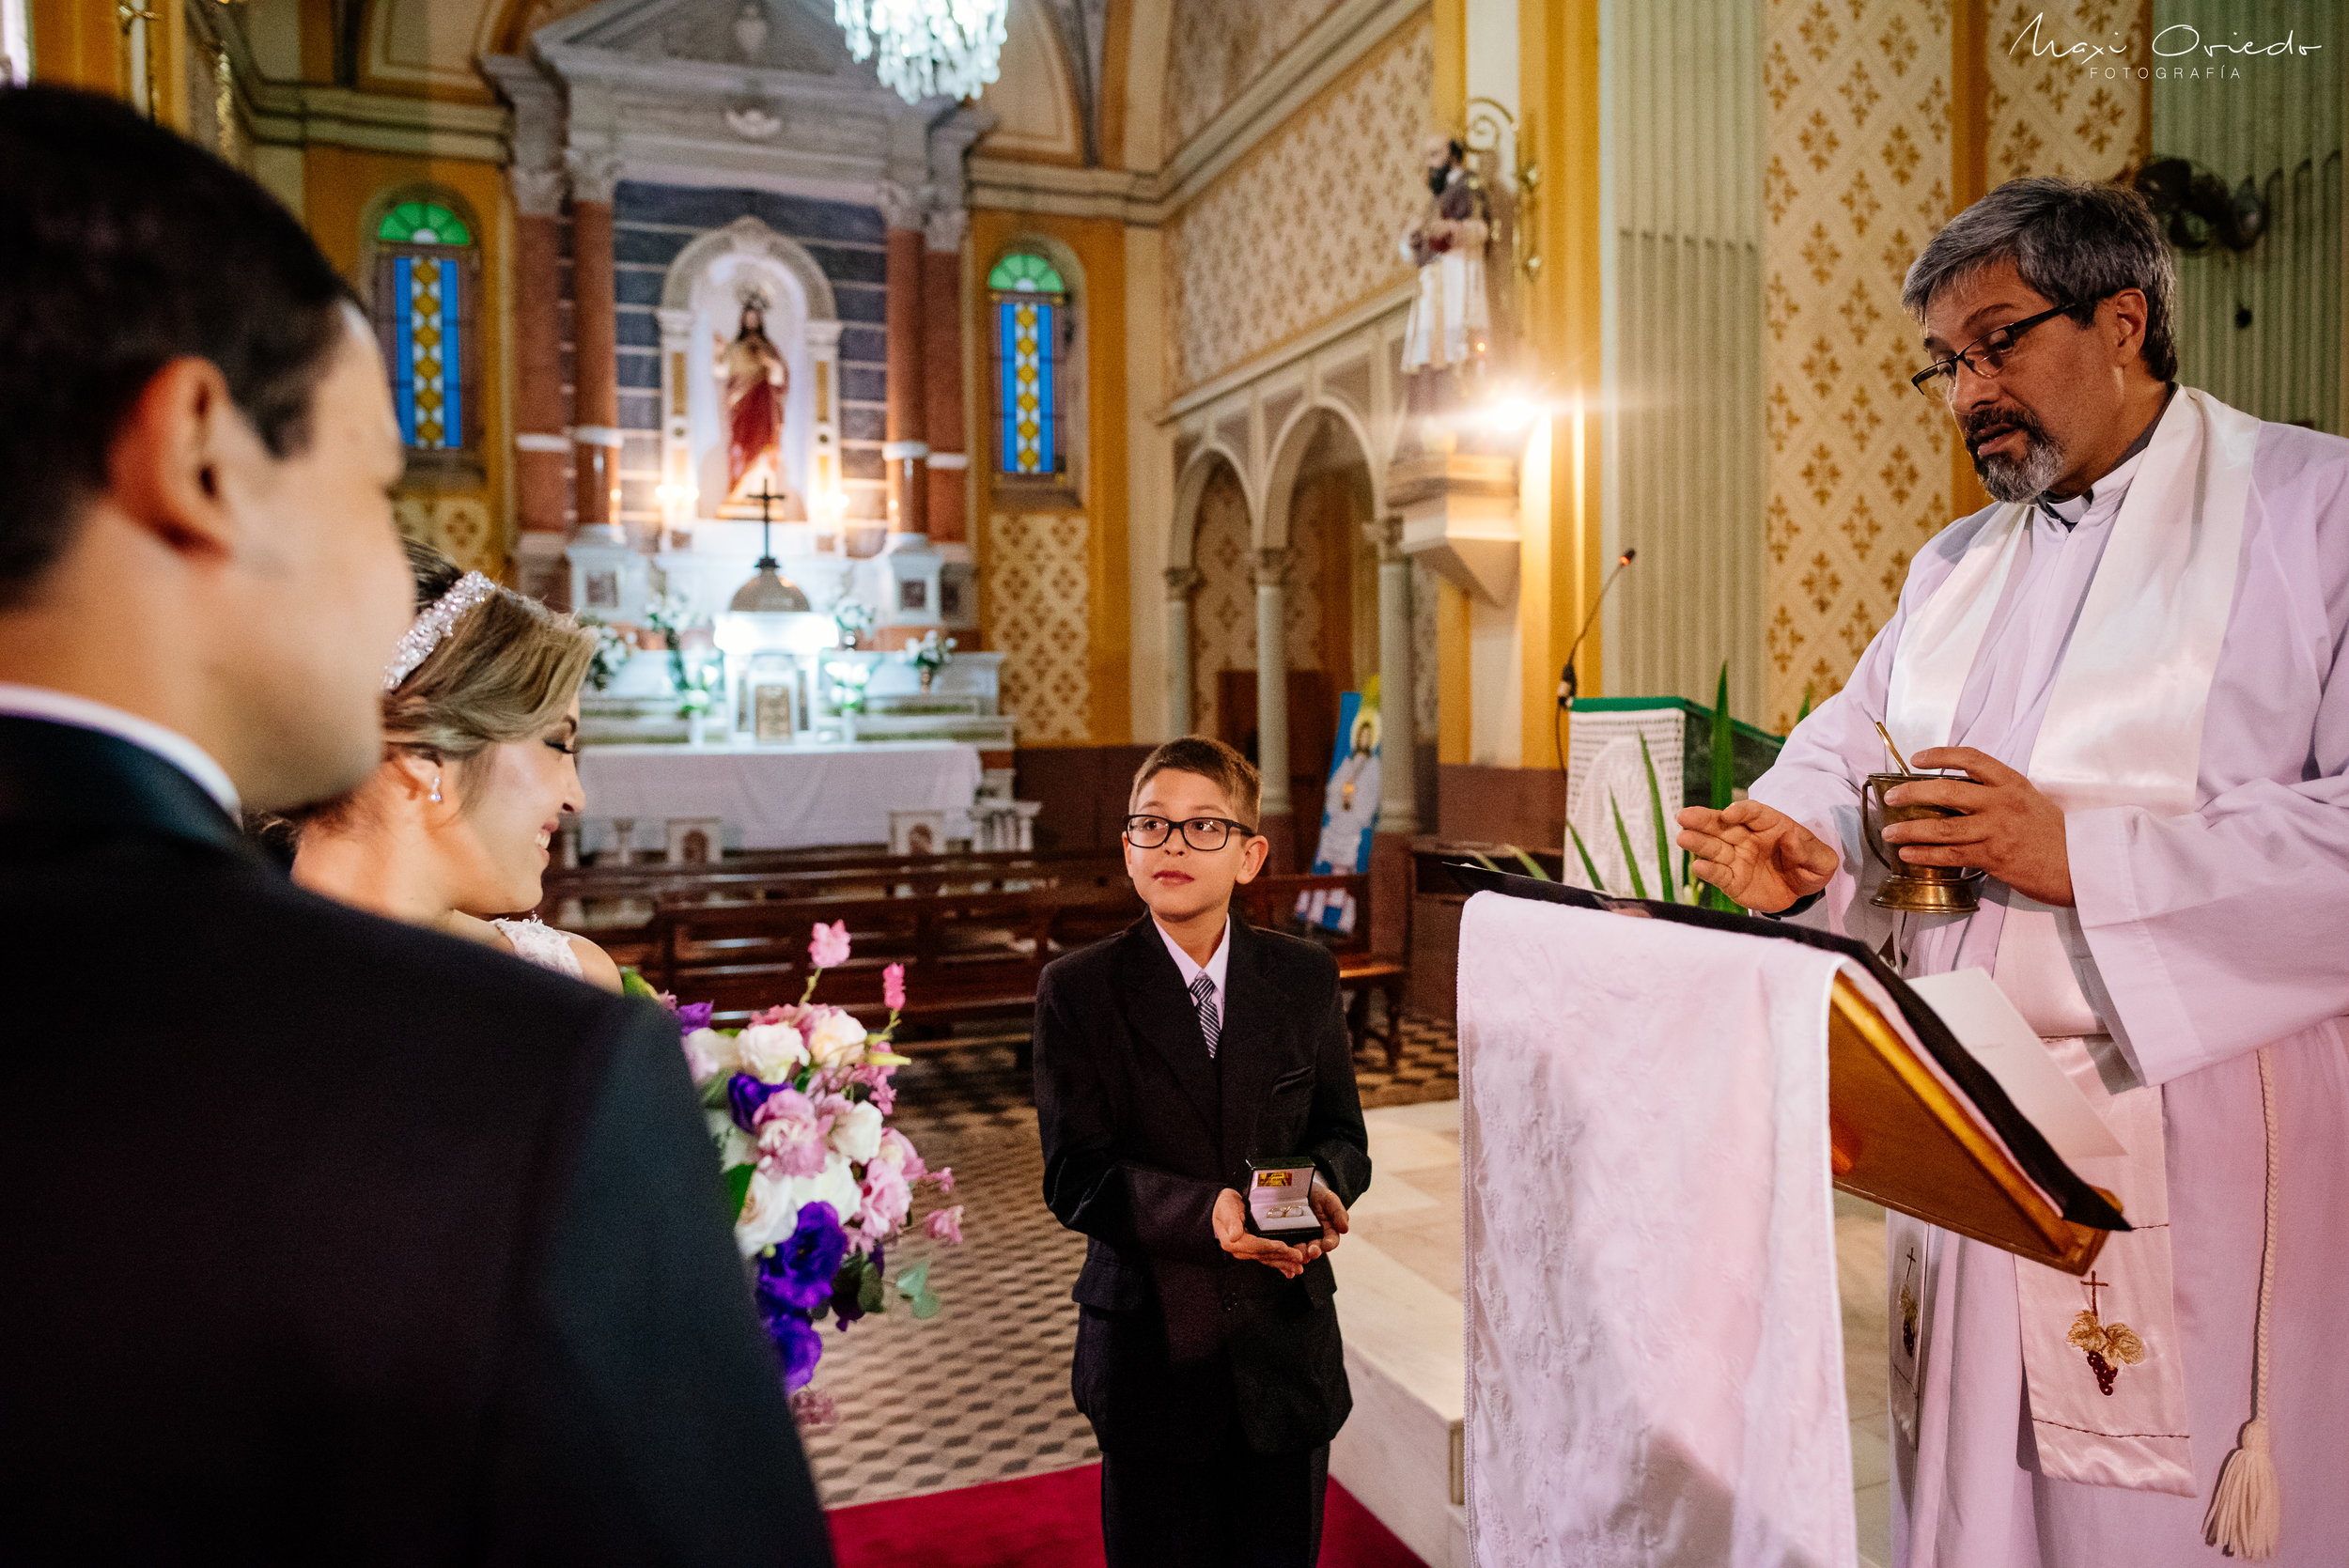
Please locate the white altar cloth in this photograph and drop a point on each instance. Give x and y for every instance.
(1655, 1340)
(775, 797)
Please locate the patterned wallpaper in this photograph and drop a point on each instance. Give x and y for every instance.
(1216, 48)
(2044, 118)
(1038, 588)
(1856, 178)
(458, 526)
(1306, 225)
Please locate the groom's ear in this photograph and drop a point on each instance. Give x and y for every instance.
(179, 454)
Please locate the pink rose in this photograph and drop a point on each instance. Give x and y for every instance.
(887, 1198)
(946, 1225)
(828, 945)
(793, 1135)
(893, 986)
(897, 1149)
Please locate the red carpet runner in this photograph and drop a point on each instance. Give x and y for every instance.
(1051, 1521)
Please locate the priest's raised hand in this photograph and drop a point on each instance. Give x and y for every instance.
(2009, 830)
(1762, 857)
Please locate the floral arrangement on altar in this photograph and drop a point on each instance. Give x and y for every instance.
(931, 656)
(799, 1103)
(848, 681)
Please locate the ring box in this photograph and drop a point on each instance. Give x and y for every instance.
(1280, 1200)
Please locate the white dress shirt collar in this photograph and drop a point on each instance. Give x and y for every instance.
(1213, 969)
(63, 707)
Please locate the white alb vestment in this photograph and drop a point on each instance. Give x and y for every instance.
(2198, 938)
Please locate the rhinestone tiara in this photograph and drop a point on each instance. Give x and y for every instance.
(417, 642)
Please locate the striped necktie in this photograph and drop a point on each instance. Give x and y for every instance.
(1211, 1023)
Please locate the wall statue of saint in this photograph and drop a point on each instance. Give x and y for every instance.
(753, 382)
(1448, 338)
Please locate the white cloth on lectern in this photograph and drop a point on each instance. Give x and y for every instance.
(1654, 1360)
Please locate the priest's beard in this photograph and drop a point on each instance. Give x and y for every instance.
(2023, 478)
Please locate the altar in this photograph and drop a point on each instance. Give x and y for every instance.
(772, 797)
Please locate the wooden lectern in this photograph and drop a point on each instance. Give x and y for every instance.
(1917, 1123)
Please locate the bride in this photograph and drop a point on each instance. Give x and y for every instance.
(481, 742)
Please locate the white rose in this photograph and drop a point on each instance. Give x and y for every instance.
(715, 1047)
(838, 1041)
(734, 1146)
(856, 1132)
(770, 1052)
(770, 1212)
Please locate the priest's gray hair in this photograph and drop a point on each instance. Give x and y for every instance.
(2073, 240)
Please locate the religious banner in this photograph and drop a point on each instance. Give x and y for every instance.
(1349, 811)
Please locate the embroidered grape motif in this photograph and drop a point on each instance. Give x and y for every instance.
(2106, 1371)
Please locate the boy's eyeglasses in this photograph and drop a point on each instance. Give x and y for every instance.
(1204, 833)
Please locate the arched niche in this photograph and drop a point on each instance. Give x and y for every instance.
(1323, 419)
(702, 297)
(1189, 486)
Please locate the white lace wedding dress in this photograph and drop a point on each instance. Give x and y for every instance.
(541, 945)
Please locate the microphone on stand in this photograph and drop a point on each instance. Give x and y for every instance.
(1569, 687)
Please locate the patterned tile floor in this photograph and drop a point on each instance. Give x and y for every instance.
(980, 1392)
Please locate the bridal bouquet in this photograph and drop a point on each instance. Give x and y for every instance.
(799, 1103)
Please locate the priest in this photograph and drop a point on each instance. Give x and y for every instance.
(2127, 673)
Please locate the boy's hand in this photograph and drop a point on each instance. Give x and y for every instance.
(1231, 1232)
(1331, 1213)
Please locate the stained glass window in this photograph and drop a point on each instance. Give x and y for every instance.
(424, 315)
(423, 223)
(1032, 329)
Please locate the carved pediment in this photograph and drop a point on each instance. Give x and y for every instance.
(797, 38)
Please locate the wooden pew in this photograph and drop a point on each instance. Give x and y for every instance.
(967, 954)
(1270, 902)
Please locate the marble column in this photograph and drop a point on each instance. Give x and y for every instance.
(947, 431)
(905, 444)
(1272, 705)
(1181, 583)
(1398, 744)
(540, 446)
(595, 341)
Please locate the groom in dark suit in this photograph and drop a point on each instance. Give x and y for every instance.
(325, 1239)
(1166, 1059)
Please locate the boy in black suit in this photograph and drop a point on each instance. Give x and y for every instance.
(1167, 1058)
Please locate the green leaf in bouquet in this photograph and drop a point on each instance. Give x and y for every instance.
(633, 983)
(869, 1295)
(1663, 845)
(1630, 861)
(739, 1187)
(1589, 865)
(914, 1285)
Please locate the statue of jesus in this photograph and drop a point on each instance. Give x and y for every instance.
(753, 380)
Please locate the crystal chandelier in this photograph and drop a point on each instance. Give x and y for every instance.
(928, 48)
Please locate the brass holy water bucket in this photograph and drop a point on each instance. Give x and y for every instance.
(1924, 890)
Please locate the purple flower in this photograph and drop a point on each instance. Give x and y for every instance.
(693, 1015)
(799, 1344)
(746, 1096)
(799, 1276)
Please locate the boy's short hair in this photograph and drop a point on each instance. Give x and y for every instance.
(1211, 760)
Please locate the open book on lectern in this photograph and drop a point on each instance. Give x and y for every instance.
(1919, 1123)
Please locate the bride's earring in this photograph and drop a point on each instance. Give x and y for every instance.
(436, 789)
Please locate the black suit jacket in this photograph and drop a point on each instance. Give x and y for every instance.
(327, 1239)
(1142, 1130)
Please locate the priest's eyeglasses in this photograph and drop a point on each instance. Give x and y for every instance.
(1206, 834)
(1985, 356)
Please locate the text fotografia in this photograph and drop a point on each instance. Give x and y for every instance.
(2180, 53)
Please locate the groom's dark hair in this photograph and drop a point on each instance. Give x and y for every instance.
(122, 248)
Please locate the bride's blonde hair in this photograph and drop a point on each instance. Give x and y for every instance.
(506, 671)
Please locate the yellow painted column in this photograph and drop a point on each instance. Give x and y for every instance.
(1563, 140)
(1969, 179)
(1455, 678)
